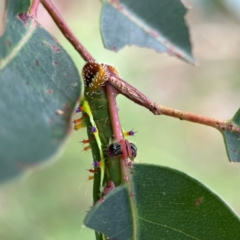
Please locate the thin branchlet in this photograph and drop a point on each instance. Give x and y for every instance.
(64, 28)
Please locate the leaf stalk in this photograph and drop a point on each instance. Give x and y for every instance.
(34, 8)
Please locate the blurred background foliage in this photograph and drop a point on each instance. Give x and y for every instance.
(50, 202)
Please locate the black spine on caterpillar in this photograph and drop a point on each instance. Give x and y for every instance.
(114, 149)
(134, 149)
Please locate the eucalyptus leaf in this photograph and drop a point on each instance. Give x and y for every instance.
(164, 204)
(232, 138)
(159, 25)
(40, 86)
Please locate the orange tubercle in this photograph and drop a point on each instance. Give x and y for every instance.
(90, 177)
(79, 125)
(87, 148)
(112, 69)
(84, 141)
(77, 120)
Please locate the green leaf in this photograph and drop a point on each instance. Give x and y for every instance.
(165, 204)
(231, 135)
(39, 87)
(152, 24)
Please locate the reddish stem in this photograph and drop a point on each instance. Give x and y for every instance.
(130, 92)
(135, 95)
(217, 123)
(67, 31)
(113, 111)
(125, 88)
(34, 8)
(117, 130)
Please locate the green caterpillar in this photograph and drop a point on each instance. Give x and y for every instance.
(97, 120)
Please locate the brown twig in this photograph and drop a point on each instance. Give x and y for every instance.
(34, 8)
(112, 106)
(130, 92)
(117, 131)
(136, 96)
(125, 88)
(66, 30)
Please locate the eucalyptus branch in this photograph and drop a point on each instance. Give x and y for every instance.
(132, 93)
(136, 96)
(58, 19)
(117, 131)
(125, 88)
(113, 111)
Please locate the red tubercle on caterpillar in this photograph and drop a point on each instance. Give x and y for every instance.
(94, 170)
(84, 115)
(86, 148)
(84, 141)
(80, 123)
(77, 120)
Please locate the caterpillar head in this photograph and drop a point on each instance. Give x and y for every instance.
(96, 74)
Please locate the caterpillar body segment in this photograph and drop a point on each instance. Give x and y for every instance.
(99, 107)
(95, 155)
(98, 122)
(96, 107)
(86, 108)
(96, 97)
